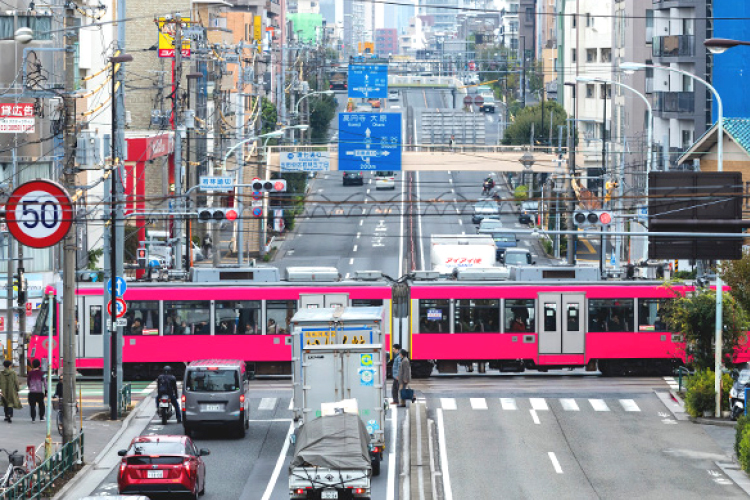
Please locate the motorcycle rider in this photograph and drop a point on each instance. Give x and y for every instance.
(166, 385)
(488, 185)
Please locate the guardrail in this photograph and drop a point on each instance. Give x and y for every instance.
(428, 148)
(33, 485)
(126, 394)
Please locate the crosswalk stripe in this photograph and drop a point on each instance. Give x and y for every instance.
(478, 403)
(448, 403)
(629, 405)
(508, 404)
(267, 404)
(569, 404)
(291, 404)
(599, 405)
(538, 404)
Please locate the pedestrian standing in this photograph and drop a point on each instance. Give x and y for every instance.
(404, 374)
(9, 388)
(37, 389)
(452, 141)
(396, 363)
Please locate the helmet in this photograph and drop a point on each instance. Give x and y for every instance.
(167, 369)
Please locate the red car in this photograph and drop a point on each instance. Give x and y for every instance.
(162, 464)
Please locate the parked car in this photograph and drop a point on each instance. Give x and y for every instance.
(489, 225)
(529, 210)
(393, 95)
(517, 257)
(385, 179)
(488, 106)
(157, 464)
(485, 209)
(353, 178)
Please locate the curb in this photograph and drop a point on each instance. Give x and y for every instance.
(712, 421)
(81, 473)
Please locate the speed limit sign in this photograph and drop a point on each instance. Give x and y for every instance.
(39, 213)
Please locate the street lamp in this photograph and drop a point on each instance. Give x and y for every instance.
(527, 160)
(720, 45)
(296, 108)
(719, 325)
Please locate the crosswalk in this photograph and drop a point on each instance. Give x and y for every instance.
(539, 404)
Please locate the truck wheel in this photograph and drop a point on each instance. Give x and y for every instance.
(375, 466)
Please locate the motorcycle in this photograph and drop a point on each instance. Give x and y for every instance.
(737, 393)
(487, 188)
(165, 409)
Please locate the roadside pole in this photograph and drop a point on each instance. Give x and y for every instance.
(214, 226)
(52, 303)
(178, 129)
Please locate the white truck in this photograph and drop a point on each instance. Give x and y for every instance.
(449, 252)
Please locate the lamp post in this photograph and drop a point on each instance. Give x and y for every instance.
(296, 109)
(720, 45)
(719, 325)
(527, 160)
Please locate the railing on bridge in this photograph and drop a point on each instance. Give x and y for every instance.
(429, 148)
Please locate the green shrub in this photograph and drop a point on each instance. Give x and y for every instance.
(521, 193)
(700, 395)
(726, 385)
(744, 450)
(742, 426)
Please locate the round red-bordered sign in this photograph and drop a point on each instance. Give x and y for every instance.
(122, 307)
(39, 213)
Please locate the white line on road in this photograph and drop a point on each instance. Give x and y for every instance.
(460, 222)
(447, 490)
(291, 404)
(478, 403)
(555, 463)
(569, 404)
(358, 235)
(361, 221)
(448, 403)
(391, 492)
(539, 404)
(450, 179)
(351, 261)
(368, 191)
(534, 417)
(267, 404)
(453, 190)
(279, 464)
(508, 404)
(355, 248)
(629, 405)
(599, 405)
(347, 275)
(420, 470)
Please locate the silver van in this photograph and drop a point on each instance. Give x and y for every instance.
(214, 392)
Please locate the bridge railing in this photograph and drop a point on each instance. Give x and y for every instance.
(427, 148)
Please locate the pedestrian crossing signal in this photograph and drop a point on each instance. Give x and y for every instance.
(142, 258)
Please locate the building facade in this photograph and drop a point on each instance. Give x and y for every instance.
(386, 42)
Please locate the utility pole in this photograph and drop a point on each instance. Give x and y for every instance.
(571, 255)
(240, 156)
(215, 233)
(178, 129)
(69, 243)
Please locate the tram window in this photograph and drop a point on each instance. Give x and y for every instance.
(611, 315)
(519, 315)
(649, 315)
(142, 318)
(573, 318)
(550, 317)
(434, 316)
(279, 315)
(237, 317)
(187, 317)
(367, 302)
(95, 320)
(480, 315)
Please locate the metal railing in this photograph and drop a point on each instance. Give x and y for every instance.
(674, 102)
(35, 483)
(673, 46)
(125, 398)
(431, 148)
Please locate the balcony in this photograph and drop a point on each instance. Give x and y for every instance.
(674, 102)
(673, 46)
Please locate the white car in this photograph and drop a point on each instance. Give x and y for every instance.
(385, 179)
(393, 95)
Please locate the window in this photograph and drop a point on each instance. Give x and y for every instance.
(606, 55)
(605, 94)
(213, 381)
(519, 315)
(480, 315)
(687, 139)
(611, 315)
(590, 90)
(237, 317)
(367, 302)
(142, 318)
(589, 21)
(279, 315)
(687, 83)
(649, 315)
(187, 317)
(550, 316)
(573, 317)
(434, 316)
(41, 25)
(529, 14)
(591, 55)
(95, 320)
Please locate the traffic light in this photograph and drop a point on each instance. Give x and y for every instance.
(273, 186)
(599, 218)
(142, 258)
(211, 214)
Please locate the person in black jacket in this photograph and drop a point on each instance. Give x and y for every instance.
(166, 385)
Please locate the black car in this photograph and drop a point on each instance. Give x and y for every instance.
(524, 218)
(353, 178)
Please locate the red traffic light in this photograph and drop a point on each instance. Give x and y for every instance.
(231, 214)
(605, 218)
(279, 186)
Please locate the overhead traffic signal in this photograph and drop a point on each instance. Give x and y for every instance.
(272, 186)
(211, 214)
(591, 218)
(142, 258)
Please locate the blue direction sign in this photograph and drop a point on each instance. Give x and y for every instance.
(368, 81)
(120, 286)
(369, 141)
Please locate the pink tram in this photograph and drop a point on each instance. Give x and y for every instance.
(511, 326)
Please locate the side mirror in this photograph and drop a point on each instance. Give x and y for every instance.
(122, 453)
(203, 452)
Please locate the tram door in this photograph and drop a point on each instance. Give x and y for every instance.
(91, 324)
(323, 300)
(561, 323)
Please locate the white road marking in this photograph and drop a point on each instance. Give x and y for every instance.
(391, 491)
(447, 490)
(508, 404)
(629, 405)
(534, 417)
(448, 403)
(358, 235)
(267, 404)
(460, 222)
(368, 190)
(539, 404)
(351, 261)
(569, 404)
(291, 404)
(453, 190)
(355, 248)
(450, 179)
(527, 243)
(361, 221)
(150, 388)
(555, 463)
(599, 405)
(347, 275)
(517, 225)
(478, 403)
(279, 464)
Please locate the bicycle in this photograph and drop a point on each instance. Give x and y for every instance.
(15, 469)
(58, 407)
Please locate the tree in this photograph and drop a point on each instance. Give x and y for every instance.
(268, 118)
(736, 274)
(694, 316)
(519, 132)
(322, 111)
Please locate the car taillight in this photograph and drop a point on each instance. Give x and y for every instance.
(186, 466)
(359, 491)
(300, 491)
(242, 398)
(375, 449)
(183, 399)
(122, 469)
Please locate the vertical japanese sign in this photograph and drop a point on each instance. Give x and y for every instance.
(17, 118)
(258, 32)
(166, 38)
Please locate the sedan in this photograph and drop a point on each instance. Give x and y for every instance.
(353, 178)
(162, 464)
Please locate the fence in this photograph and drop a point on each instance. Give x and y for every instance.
(125, 398)
(32, 485)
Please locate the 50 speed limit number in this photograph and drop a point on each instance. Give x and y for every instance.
(39, 213)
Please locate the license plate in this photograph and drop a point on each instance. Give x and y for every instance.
(330, 494)
(155, 474)
(213, 408)
(164, 404)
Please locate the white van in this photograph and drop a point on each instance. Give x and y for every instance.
(385, 179)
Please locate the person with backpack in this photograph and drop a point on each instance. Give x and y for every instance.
(37, 389)
(166, 385)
